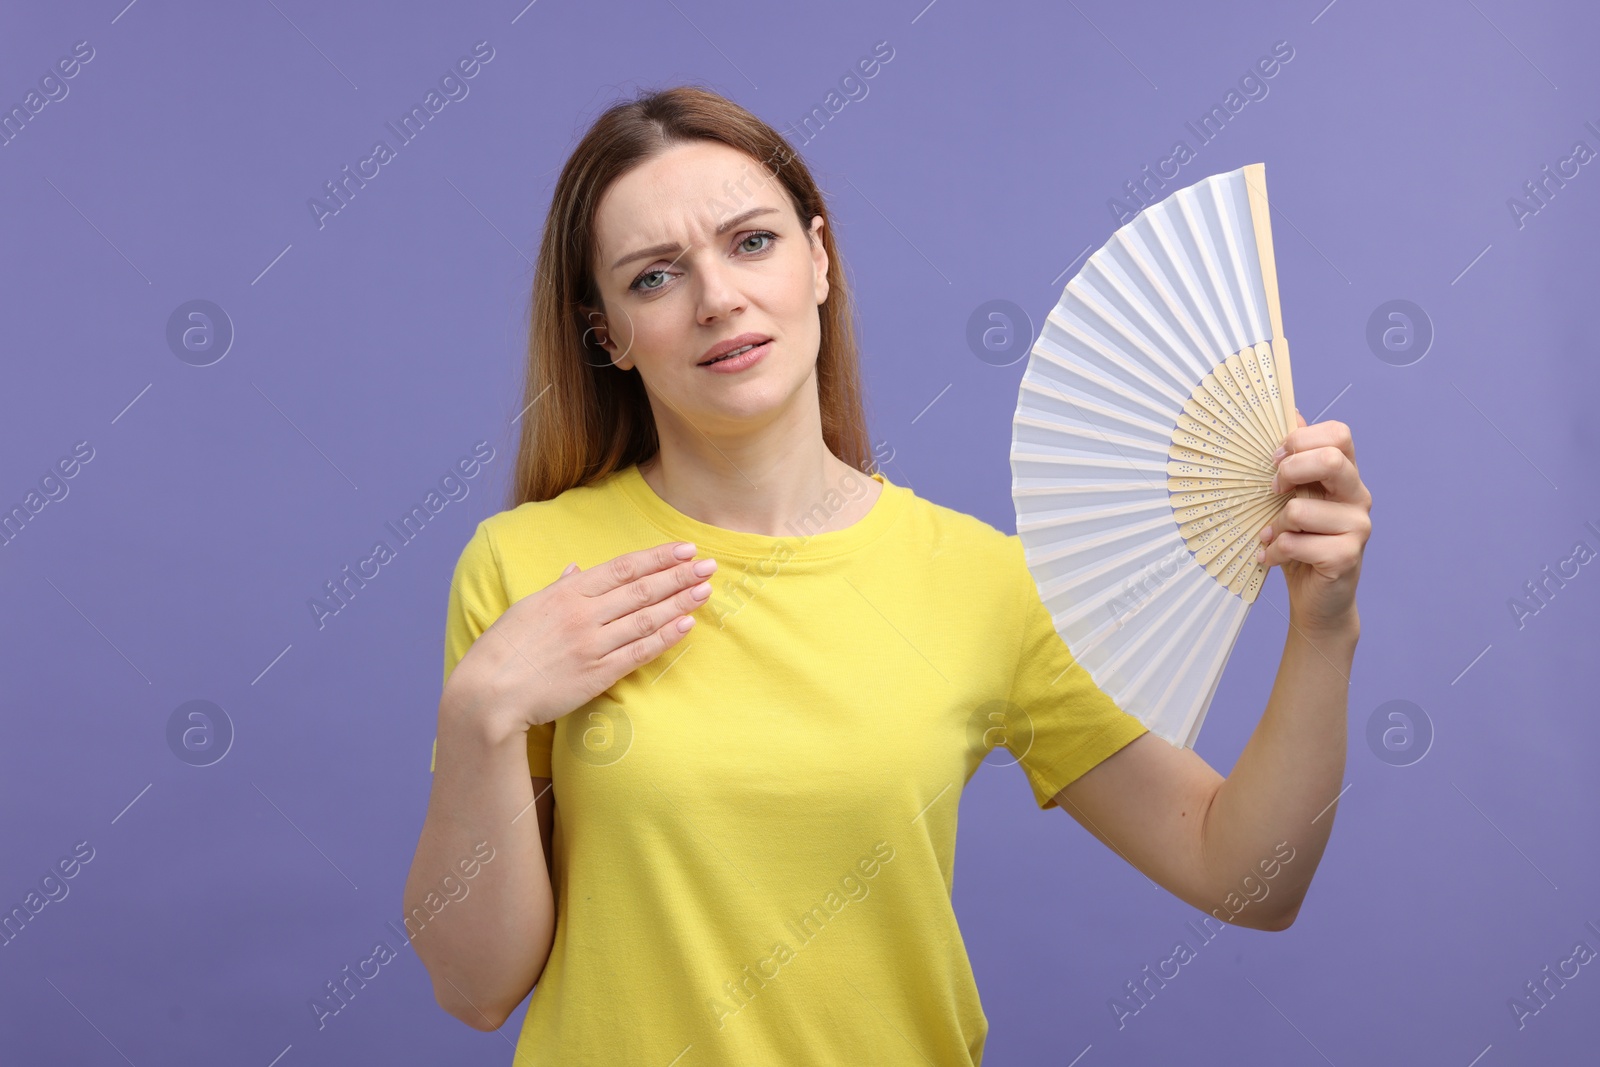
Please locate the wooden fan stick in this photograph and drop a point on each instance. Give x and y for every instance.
(1255, 180)
(1219, 462)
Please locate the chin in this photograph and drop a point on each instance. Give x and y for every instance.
(757, 400)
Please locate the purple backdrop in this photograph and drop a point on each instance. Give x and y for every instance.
(344, 364)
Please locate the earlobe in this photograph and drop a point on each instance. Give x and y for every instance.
(612, 355)
(819, 259)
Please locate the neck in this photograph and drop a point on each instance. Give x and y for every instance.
(764, 495)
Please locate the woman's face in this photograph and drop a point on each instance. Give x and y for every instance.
(698, 246)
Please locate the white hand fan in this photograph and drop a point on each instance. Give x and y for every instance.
(1141, 451)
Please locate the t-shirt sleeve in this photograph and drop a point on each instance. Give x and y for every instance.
(1062, 723)
(477, 598)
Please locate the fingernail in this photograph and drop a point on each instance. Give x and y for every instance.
(1265, 535)
(1261, 554)
(704, 567)
(685, 550)
(1277, 457)
(701, 591)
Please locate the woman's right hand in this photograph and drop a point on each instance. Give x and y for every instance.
(557, 649)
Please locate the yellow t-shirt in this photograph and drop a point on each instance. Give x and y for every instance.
(755, 832)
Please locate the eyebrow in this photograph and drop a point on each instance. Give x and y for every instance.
(663, 249)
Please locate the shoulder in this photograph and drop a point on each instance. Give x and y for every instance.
(577, 509)
(526, 547)
(987, 553)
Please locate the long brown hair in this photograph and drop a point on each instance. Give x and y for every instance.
(582, 417)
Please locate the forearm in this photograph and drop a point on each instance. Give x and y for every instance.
(484, 951)
(1282, 786)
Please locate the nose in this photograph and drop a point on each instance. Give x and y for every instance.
(719, 294)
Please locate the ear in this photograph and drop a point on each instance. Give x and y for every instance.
(819, 259)
(597, 334)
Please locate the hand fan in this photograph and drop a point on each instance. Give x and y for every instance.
(1141, 456)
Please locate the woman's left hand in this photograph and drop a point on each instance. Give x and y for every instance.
(1319, 539)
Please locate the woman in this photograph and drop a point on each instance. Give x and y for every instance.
(739, 683)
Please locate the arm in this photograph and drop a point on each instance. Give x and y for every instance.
(485, 951)
(1245, 848)
(511, 668)
(1219, 844)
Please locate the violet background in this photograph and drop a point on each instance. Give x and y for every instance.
(375, 351)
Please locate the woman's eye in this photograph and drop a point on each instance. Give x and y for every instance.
(639, 284)
(761, 233)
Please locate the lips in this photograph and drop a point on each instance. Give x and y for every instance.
(724, 349)
(730, 355)
(740, 360)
